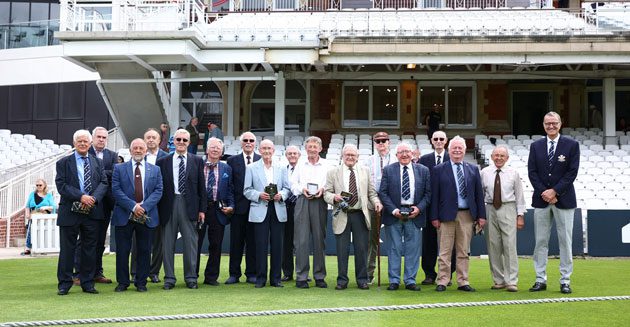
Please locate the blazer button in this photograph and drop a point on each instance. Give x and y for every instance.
(549, 174)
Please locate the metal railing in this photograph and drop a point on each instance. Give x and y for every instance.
(324, 5)
(163, 90)
(28, 34)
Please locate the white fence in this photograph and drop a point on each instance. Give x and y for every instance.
(44, 234)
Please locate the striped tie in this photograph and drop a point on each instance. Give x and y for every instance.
(211, 181)
(552, 151)
(406, 191)
(353, 188)
(460, 180)
(181, 187)
(87, 173)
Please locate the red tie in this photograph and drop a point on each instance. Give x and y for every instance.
(137, 183)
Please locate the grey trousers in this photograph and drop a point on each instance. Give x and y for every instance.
(501, 240)
(355, 226)
(310, 221)
(542, 230)
(179, 222)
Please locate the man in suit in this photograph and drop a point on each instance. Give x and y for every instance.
(552, 166)
(137, 188)
(82, 184)
(164, 136)
(355, 219)
(267, 212)
(152, 140)
(405, 192)
(182, 207)
(218, 177)
(429, 233)
(456, 202)
(376, 163)
(194, 135)
(292, 154)
(241, 231)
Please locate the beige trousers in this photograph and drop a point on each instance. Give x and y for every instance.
(500, 235)
(458, 233)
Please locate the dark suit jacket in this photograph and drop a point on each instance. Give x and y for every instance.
(67, 182)
(196, 195)
(123, 190)
(225, 192)
(559, 176)
(110, 159)
(237, 162)
(444, 198)
(389, 193)
(428, 160)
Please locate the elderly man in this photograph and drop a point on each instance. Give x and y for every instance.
(307, 183)
(267, 188)
(429, 233)
(182, 208)
(375, 164)
(405, 192)
(292, 154)
(456, 202)
(505, 206)
(354, 219)
(194, 135)
(82, 184)
(137, 188)
(218, 176)
(553, 164)
(241, 231)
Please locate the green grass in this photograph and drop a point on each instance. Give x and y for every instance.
(28, 292)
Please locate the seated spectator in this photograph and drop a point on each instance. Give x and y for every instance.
(39, 202)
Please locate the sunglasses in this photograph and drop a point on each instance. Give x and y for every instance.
(181, 139)
(249, 140)
(438, 139)
(39, 185)
(381, 141)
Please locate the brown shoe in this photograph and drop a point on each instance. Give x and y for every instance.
(76, 281)
(498, 286)
(102, 280)
(511, 288)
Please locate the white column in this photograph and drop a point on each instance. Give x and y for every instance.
(231, 109)
(307, 109)
(608, 111)
(172, 115)
(280, 109)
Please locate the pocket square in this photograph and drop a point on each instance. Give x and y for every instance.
(225, 175)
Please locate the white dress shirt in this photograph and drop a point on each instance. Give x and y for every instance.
(511, 186)
(176, 170)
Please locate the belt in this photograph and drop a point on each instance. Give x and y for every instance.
(354, 210)
(462, 209)
(406, 206)
(212, 202)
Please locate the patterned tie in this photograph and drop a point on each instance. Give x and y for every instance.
(182, 176)
(87, 173)
(406, 191)
(552, 150)
(137, 184)
(381, 165)
(211, 181)
(460, 180)
(496, 200)
(439, 160)
(353, 188)
(249, 159)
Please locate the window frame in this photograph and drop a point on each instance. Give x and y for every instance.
(370, 85)
(446, 85)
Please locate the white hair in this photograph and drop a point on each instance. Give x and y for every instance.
(350, 147)
(457, 138)
(80, 133)
(214, 139)
(98, 128)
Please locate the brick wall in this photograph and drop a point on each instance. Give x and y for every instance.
(18, 230)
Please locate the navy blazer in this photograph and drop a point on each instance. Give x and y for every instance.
(560, 176)
(225, 191)
(110, 159)
(123, 190)
(67, 182)
(389, 192)
(237, 162)
(428, 160)
(196, 195)
(444, 198)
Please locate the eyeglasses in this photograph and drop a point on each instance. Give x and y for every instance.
(438, 139)
(403, 151)
(181, 139)
(38, 185)
(249, 140)
(381, 141)
(552, 124)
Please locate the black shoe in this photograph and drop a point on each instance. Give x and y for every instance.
(231, 280)
(251, 280)
(63, 291)
(393, 287)
(321, 283)
(301, 284)
(565, 289)
(466, 288)
(192, 285)
(308, 279)
(412, 287)
(364, 286)
(341, 287)
(141, 288)
(260, 285)
(538, 286)
(120, 288)
(211, 282)
(154, 278)
(428, 281)
(133, 279)
(91, 290)
(449, 283)
(440, 288)
(287, 278)
(168, 286)
(277, 285)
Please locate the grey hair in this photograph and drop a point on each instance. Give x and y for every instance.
(403, 144)
(182, 131)
(137, 140)
(98, 128)
(313, 139)
(292, 147)
(457, 138)
(265, 141)
(554, 114)
(502, 147)
(81, 132)
(350, 147)
(240, 138)
(214, 139)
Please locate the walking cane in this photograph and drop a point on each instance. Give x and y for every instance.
(378, 248)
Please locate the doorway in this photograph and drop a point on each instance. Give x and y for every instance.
(528, 110)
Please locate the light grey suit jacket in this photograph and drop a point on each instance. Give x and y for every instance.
(367, 194)
(255, 182)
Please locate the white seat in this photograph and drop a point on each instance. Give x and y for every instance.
(621, 164)
(585, 178)
(596, 147)
(614, 203)
(595, 158)
(611, 147)
(614, 186)
(604, 165)
(594, 203)
(603, 179)
(586, 164)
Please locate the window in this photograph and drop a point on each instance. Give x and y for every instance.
(370, 104)
(455, 101)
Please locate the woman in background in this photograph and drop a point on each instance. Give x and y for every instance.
(39, 202)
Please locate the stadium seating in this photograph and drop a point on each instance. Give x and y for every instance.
(17, 149)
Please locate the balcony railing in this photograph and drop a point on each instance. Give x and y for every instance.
(29, 34)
